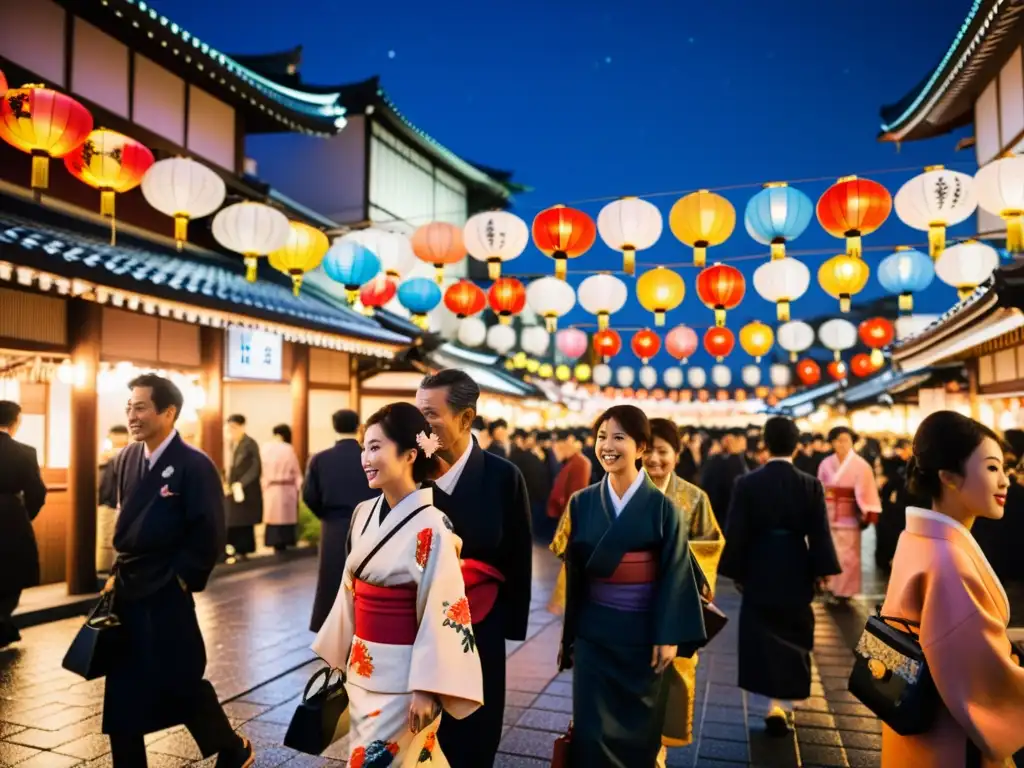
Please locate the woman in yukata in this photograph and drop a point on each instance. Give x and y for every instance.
(942, 580)
(400, 627)
(632, 604)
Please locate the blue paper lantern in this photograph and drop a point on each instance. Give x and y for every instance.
(778, 214)
(352, 265)
(905, 273)
(419, 295)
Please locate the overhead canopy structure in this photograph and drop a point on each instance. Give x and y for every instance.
(484, 368)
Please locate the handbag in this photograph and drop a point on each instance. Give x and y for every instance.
(321, 718)
(714, 619)
(891, 677)
(97, 643)
(560, 754)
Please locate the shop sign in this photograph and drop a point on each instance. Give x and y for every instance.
(253, 355)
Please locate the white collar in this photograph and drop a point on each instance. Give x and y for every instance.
(417, 498)
(154, 457)
(787, 459)
(668, 482)
(620, 504)
(450, 479)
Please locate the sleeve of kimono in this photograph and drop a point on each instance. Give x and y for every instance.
(703, 524)
(445, 661)
(824, 561)
(34, 489)
(866, 490)
(311, 488)
(252, 465)
(561, 538)
(204, 523)
(517, 559)
(679, 619)
(734, 556)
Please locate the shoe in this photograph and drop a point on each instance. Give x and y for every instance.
(777, 723)
(242, 756)
(9, 634)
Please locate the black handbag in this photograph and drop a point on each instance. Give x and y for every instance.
(891, 677)
(97, 643)
(321, 718)
(714, 619)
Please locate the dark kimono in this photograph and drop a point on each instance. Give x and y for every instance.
(244, 516)
(615, 614)
(777, 544)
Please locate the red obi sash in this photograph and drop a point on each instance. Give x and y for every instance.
(386, 614)
(630, 587)
(634, 568)
(841, 504)
(482, 584)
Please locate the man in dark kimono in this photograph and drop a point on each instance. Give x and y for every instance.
(486, 499)
(779, 551)
(335, 484)
(22, 494)
(169, 533)
(244, 494)
(721, 470)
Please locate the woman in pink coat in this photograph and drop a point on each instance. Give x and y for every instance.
(941, 579)
(282, 481)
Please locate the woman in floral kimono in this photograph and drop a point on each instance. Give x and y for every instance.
(942, 580)
(400, 627)
(851, 497)
(281, 480)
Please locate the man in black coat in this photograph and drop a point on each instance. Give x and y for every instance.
(244, 494)
(720, 471)
(498, 431)
(486, 499)
(22, 494)
(335, 484)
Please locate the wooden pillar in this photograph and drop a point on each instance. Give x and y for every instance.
(972, 389)
(353, 385)
(85, 329)
(211, 379)
(300, 401)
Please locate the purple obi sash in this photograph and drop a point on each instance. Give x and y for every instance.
(630, 587)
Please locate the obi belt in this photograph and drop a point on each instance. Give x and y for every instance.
(387, 614)
(842, 505)
(630, 587)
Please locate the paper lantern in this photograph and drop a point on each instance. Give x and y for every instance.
(809, 372)
(721, 376)
(44, 123)
(184, 189)
(776, 215)
(756, 338)
(438, 243)
(377, 293)
(842, 277)
(303, 253)
(719, 342)
(534, 340)
(837, 370)
(648, 377)
(782, 281)
(110, 162)
(966, 265)
(696, 377)
(464, 299)
(563, 233)
(545, 370)
(780, 375)
(392, 248)
(501, 338)
(550, 298)
(645, 344)
(1000, 189)
(934, 200)
(3, 84)
(672, 377)
(572, 343)
(795, 337)
(911, 325)
(563, 373)
(602, 295)
(353, 266)
(629, 225)
(720, 287)
(607, 344)
(876, 333)
(862, 365)
(472, 332)
(751, 375)
(681, 342)
(659, 291)
(905, 273)
(253, 230)
(420, 296)
(495, 237)
(507, 297)
(837, 335)
(852, 208)
(701, 220)
(602, 375)
(625, 376)
(582, 372)
(519, 360)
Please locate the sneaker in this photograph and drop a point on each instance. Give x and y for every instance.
(242, 756)
(777, 723)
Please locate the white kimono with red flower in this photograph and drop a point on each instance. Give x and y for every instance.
(438, 651)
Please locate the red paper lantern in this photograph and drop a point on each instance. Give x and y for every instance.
(607, 343)
(464, 299)
(563, 233)
(3, 84)
(719, 342)
(854, 207)
(862, 365)
(721, 288)
(681, 342)
(837, 370)
(645, 344)
(378, 292)
(507, 297)
(876, 333)
(809, 372)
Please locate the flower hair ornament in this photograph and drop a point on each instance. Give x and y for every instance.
(428, 443)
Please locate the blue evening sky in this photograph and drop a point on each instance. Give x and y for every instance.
(600, 99)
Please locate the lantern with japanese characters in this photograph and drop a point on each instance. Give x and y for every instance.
(809, 372)
(876, 333)
(562, 233)
(905, 273)
(550, 298)
(701, 220)
(719, 342)
(495, 237)
(756, 338)
(645, 344)
(659, 291)
(934, 200)
(602, 295)
(571, 343)
(782, 281)
(795, 337)
(353, 266)
(439, 243)
(253, 230)
(852, 208)
(607, 344)
(629, 225)
(302, 253)
(1000, 189)
(966, 265)
(464, 299)
(681, 342)
(776, 215)
(183, 189)
(843, 277)
(721, 287)
(507, 297)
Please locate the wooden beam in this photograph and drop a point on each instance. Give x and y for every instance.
(355, 389)
(300, 401)
(972, 389)
(211, 379)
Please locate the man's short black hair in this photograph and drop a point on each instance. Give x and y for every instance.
(9, 413)
(236, 418)
(165, 392)
(345, 422)
(118, 429)
(463, 393)
(543, 435)
(564, 434)
(519, 434)
(496, 425)
(781, 436)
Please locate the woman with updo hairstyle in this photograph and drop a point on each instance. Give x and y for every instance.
(942, 581)
(401, 628)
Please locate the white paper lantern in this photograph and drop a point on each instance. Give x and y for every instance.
(182, 188)
(672, 377)
(534, 340)
(648, 377)
(472, 332)
(1000, 189)
(838, 335)
(495, 237)
(934, 200)
(780, 375)
(624, 376)
(629, 225)
(251, 229)
(501, 338)
(550, 298)
(394, 250)
(795, 337)
(721, 376)
(602, 295)
(967, 265)
(751, 375)
(696, 377)
(602, 375)
(911, 325)
(782, 281)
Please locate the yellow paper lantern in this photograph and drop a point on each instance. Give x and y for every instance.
(844, 276)
(660, 290)
(532, 366)
(563, 373)
(519, 360)
(582, 372)
(302, 253)
(756, 338)
(702, 219)
(545, 370)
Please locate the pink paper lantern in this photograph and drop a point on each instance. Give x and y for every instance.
(572, 342)
(681, 342)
